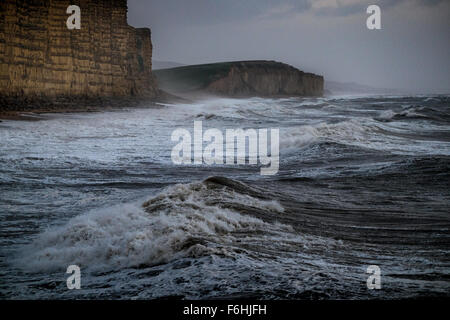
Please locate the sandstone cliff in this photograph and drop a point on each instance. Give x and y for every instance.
(243, 78)
(41, 58)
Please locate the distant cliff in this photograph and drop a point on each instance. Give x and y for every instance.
(242, 78)
(41, 58)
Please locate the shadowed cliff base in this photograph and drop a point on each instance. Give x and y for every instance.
(239, 79)
(30, 107)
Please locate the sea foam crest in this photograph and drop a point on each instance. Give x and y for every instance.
(345, 132)
(185, 220)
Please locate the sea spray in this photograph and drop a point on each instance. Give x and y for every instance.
(184, 220)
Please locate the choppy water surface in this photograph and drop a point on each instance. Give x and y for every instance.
(363, 181)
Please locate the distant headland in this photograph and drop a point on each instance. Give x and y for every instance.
(240, 79)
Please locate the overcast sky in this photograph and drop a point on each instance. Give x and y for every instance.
(328, 37)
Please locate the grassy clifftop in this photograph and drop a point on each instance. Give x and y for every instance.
(189, 78)
(240, 78)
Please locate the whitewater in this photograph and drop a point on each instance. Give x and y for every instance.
(362, 181)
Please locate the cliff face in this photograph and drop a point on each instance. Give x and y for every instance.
(41, 57)
(266, 79)
(243, 78)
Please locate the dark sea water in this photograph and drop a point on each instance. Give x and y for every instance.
(363, 181)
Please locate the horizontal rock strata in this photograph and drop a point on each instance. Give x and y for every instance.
(243, 78)
(41, 59)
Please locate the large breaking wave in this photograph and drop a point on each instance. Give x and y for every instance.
(184, 220)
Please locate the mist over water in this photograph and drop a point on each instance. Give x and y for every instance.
(362, 181)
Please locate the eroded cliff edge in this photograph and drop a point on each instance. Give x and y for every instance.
(241, 79)
(43, 62)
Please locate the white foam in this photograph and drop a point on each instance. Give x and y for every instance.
(407, 112)
(343, 132)
(164, 228)
(363, 133)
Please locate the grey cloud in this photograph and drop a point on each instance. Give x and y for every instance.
(349, 9)
(411, 51)
(206, 12)
(211, 12)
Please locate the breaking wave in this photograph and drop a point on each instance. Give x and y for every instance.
(349, 132)
(407, 112)
(362, 134)
(414, 112)
(185, 220)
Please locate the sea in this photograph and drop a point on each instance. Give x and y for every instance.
(363, 184)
